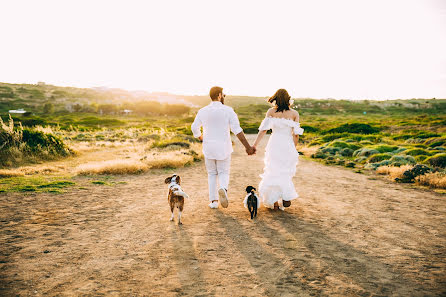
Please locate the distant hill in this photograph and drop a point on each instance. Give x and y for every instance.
(34, 97)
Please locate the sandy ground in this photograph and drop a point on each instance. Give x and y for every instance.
(349, 234)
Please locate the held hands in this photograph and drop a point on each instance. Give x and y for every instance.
(200, 138)
(251, 150)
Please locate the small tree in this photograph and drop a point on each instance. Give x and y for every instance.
(48, 107)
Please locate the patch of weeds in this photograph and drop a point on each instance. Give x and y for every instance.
(38, 184)
(99, 182)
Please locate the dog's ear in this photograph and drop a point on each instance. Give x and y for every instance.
(178, 179)
(167, 180)
(254, 189)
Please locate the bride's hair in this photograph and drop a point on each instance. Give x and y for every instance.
(282, 99)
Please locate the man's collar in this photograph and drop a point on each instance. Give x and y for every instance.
(215, 103)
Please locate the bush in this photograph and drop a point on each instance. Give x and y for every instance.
(365, 152)
(318, 155)
(438, 160)
(354, 128)
(416, 152)
(399, 160)
(350, 164)
(386, 148)
(168, 143)
(374, 166)
(435, 142)
(18, 143)
(410, 174)
(330, 150)
(332, 137)
(309, 129)
(399, 150)
(433, 180)
(339, 144)
(346, 152)
(360, 159)
(420, 158)
(379, 157)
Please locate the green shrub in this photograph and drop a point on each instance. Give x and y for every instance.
(365, 152)
(379, 157)
(330, 150)
(334, 136)
(438, 160)
(366, 142)
(354, 128)
(416, 152)
(361, 159)
(399, 160)
(23, 142)
(36, 141)
(319, 155)
(346, 152)
(309, 129)
(435, 142)
(420, 158)
(377, 164)
(168, 143)
(350, 164)
(339, 144)
(315, 142)
(354, 146)
(399, 150)
(385, 148)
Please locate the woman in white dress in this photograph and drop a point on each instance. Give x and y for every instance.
(276, 188)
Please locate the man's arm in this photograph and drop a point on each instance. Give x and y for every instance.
(238, 131)
(249, 149)
(196, 125)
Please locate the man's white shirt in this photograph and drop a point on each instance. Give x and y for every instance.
(217, 121)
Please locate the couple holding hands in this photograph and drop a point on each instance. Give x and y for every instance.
(276, 188)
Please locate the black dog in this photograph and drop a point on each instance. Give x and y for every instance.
(251, 202)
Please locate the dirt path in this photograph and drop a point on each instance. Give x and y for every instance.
(348, 235)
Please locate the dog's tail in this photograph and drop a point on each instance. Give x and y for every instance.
(181, 193)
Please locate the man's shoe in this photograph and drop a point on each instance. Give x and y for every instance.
(286, 203)
(213, 205)
(223, 197)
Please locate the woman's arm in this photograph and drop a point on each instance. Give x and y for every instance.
(259, 138)
(296, 136)
(295, 139)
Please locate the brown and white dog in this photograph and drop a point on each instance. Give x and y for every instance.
(176, 195)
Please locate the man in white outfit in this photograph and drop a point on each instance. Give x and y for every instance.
(217, 121)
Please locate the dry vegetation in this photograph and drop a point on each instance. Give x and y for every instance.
(393, 171)
(433, 180)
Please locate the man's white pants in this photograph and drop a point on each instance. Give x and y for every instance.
(217, 169)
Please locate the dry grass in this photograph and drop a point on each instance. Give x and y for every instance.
(29, 170)
(174, 159)
(10, 173)
(308, 151)
(393, 171)
(433, 180)
(117, 166)
(169, 160)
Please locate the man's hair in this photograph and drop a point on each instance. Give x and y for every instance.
(214, 92)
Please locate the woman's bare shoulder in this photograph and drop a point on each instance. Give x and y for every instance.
(295, 115)
(270, 111)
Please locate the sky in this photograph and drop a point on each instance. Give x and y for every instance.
(351, 49)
